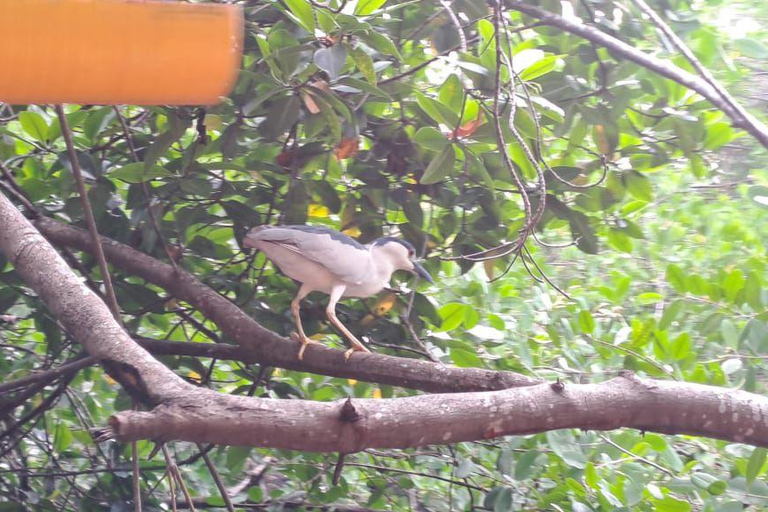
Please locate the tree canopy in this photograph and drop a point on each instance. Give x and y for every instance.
(583, 179)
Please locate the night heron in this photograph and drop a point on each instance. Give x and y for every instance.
(328, 261)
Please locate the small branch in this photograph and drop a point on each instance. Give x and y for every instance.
(15, 189)
(173, 470)
(667, 69)
(217, 479)
(88, 212)
(136, 477)
(455, 20)
(47, 376)
(145, 190)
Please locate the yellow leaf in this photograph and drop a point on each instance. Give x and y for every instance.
(317, 210)
(376, 393)
(110, 380)
(601, 139)
(488, 266)
(213, 121)
(351, 382)
(367, 321)
(276, 372)
(354, 232)
(317, 337)
(194, 376)
(384, 304)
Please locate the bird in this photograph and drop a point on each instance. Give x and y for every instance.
(328, 261)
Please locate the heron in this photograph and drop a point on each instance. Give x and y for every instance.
(328, 261)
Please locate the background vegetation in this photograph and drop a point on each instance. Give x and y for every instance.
(378, 119)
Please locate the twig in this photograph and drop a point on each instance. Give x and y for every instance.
(174, 470)
(216, 479)
(455, 20)
(688, 54)
(88, 212)
(49, 375)
(145, 190)
(16, 190)
(136, 477)
(416, 473)
(635, 456)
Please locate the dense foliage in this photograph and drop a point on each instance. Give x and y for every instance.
(380, 119)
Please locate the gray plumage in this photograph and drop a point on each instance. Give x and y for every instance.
(325, 260)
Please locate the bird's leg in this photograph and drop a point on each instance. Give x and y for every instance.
(336, 294)
(296, 310)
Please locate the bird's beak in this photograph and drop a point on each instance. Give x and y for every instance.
(421, 272)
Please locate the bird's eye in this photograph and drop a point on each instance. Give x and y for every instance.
(410, 253)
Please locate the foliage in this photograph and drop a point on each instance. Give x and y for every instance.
(370, 120)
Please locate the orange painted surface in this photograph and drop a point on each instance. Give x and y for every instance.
(137, 52)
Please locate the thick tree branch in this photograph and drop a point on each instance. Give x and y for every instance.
(667, 69)
(349, 426)
(184, 412)
(266, 347)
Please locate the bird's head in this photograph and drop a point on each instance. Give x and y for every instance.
(400, 254)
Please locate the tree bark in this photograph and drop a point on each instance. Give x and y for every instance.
(348, 426)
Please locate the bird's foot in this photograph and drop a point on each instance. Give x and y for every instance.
(305, 341)
(355, 348)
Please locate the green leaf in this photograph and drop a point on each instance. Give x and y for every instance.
(620, 241)
(718, 134)
(440, 166)
(499, 499)
(670, 313)
(540, 68)
(752, 48)
(303, 12)
(586, 322)
(676, 277)
(97, 122)
(137, 172)
(465, 358)
(755, 464)
(564, 445)
(638, 185)
(431, 138)
(177, 127)
(364, 64)
(452, 315)
(649, 298)
(331, 119)
(363, 86)
(280, 117)
(365, 7)
(382, 43)
(440, 113)
(62, 438)
(451, 93)
(524, 467)
(34, 125)
(733, 283)
(331, 60)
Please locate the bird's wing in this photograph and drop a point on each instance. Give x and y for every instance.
(343, 256)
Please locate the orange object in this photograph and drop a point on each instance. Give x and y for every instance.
(135, 52)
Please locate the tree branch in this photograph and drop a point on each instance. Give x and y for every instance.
(667, 69)
(354, 425)
(265, 347)
(184, 412)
